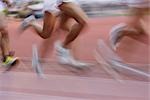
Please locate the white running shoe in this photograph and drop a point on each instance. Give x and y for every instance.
(26, 22)
(65, 57)
(115, 34)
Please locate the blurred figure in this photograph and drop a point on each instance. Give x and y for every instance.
(7, 55)
(65, 10)
(137, 25)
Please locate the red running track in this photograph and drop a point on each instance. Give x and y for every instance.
(65, 83)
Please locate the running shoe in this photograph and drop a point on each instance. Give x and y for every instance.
(26, 22)
(9, 61)
(65, 57)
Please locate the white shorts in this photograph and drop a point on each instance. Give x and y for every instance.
(138, 3)
(52, 5)
(60, 1)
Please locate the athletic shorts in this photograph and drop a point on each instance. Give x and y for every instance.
(52, 5)
(59, 2)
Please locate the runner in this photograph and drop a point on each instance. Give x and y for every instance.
(65, 10)
(137, 25)
(7, 54)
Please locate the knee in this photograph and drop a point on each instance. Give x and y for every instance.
(45, 36)
(83, 23)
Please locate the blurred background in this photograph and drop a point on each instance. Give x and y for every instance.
(93, 8)
(62, 82)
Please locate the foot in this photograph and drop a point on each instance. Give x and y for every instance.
(26, 22)
(116, 34)
(9, 61)
(65, 57)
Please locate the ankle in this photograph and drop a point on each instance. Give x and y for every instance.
(65, 45)
(4, 58)
(11, 53)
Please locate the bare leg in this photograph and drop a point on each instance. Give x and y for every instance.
(64, 22)
(75, 12)
(5, 43)
(144, 38)
(136, 22)
(70, 11)
(7, 55)
(49, 23)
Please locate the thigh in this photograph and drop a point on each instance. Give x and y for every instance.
(49, 22)
(74, 11)
(65, 22)
(64, 18)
